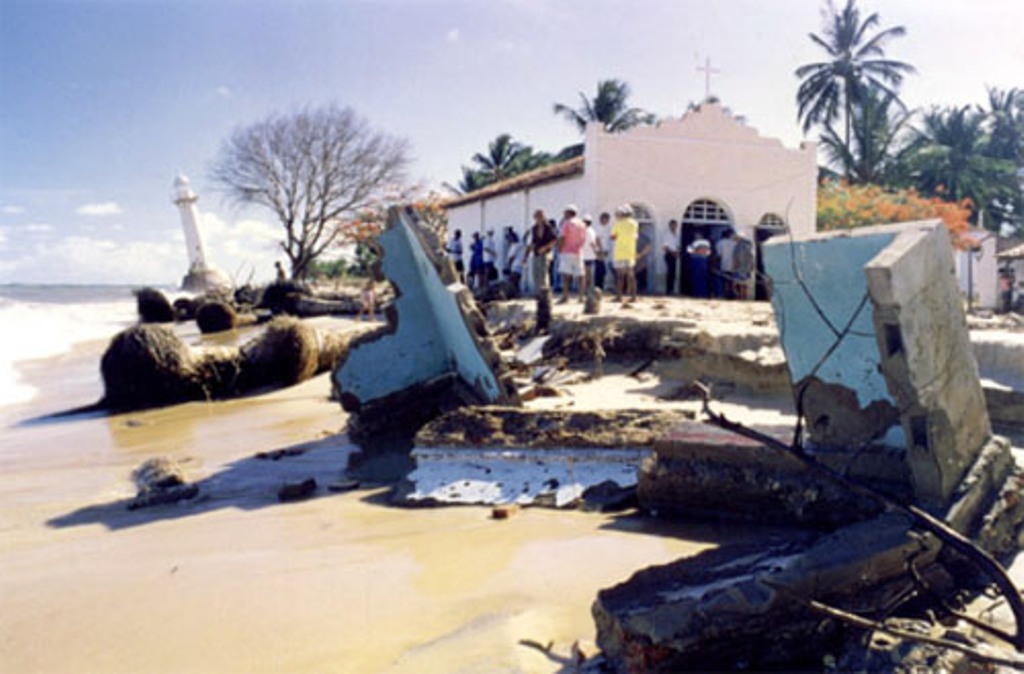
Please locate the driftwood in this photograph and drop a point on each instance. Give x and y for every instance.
(978, 558)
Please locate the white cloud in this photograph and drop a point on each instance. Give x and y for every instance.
(452, 36)
(99, 210)
(12, 210)
(244, 249)
(223, 92)
(81, 259)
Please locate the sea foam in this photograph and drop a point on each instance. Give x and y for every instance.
(38, 323)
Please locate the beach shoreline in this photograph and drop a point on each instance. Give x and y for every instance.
(242, 583)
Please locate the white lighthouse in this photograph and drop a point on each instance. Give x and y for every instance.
(201, 276)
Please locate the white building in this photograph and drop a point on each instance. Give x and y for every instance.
(977, 269)
(707, 169)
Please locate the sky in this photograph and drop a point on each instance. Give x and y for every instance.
(104, 102)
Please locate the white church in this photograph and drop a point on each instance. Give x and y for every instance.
(707, 169)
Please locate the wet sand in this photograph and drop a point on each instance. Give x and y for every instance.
(241, 583)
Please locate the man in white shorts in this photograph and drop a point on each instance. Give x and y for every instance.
(572, 234)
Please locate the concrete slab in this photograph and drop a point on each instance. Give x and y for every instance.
(876, 340)
(820, 294)
(434, 334)
(704, 472)
(557, 476)
(927, 358)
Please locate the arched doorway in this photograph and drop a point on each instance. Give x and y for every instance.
(703, 218)
(646, 239)
(768, 226)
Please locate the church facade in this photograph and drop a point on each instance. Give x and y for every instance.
(707, 169)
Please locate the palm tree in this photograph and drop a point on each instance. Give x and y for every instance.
(501, 159)
(609, 107)
(471, 181)
(952, 162)
(1006, 124)
(855, 62)
(880, 144)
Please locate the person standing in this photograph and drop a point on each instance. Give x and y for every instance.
(572, 234)
(589, 255)
(699, 253)
(722, 267)
(604, 249)
(542, 242)
(490, 255)
(671, 252)
(624, 237)
(742, 271)
(476, 262)
(514, 260)
(1007, 279)
(454, 250)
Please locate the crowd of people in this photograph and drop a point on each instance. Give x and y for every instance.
(574, 254)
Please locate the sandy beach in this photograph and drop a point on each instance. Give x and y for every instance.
(241, 583)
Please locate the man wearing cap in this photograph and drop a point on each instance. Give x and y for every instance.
(572, 234)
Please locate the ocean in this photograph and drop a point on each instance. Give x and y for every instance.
(47, 321)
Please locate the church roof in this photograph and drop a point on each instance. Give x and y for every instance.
(545, 174)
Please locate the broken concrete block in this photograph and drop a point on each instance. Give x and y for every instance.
(927, 358)
(435, 347)
(699, 471)
(876, 341)
(820, 291)
(744, 606)
(498, 455)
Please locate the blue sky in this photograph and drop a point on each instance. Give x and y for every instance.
(104, 102)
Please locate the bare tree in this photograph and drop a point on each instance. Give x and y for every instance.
(313, 169)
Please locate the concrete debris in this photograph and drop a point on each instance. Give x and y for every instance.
(296, 491)
(495, 455)
(160, 481)
(556, 476)
(436, 343)
(744, 607)
(884, 374)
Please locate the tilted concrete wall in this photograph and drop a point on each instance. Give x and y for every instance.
(927, 358)
(876, 340)
(820, 291)
(430, 336)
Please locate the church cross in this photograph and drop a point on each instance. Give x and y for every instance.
(708, 72)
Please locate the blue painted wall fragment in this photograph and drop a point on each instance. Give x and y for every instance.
(430, 336)
(820, 291)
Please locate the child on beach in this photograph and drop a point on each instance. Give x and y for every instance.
(368, 301)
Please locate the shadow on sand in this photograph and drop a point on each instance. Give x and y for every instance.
(247, 484)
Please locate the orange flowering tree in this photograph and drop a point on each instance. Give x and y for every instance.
(360, 231)
(845, 206)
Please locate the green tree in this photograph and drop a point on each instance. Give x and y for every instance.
(610, 107)
(313, 170)
(504, 158)
(856, 61)
(951, 161)
(472, 179)
(881, 141)
(1005, 124)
